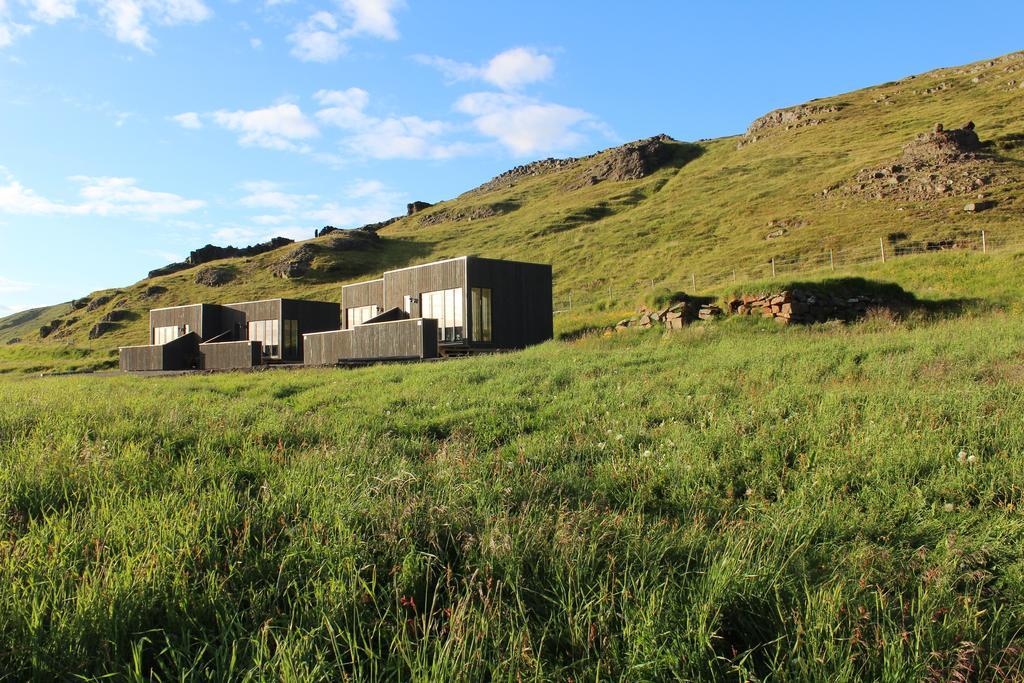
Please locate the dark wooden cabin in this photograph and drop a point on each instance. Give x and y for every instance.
(226, 336)
(478, 304)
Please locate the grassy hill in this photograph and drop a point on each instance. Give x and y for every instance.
(708, 209)
(734, 501)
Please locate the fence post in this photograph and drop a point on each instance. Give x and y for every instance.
(693, 282)
(652, 283)
(734, 277)
(984, 244)
(773, 266)
(609, 291)
(570, 299)
(831, 260)
(881, 243)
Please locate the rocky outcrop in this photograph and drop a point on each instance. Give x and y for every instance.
(942, 146)
(631, 161)
(101, 328)
(512, 176)
(353, 240)
(780, 227)
(787, 119)
(940, 163)
(374, 227)
(153, 291)
(296, 264)
(470, 213)
(326, 230)
(99, 302)
(214, 276)
(56, 327)
(416, 207)
(214, 253)
(77, 304)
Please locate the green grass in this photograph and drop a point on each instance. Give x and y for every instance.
(736, 501)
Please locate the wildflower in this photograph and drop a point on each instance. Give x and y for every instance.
(619, 437)
(962, 456)
(948, 507)
(749, 492)
(972, 458)
(647, 454)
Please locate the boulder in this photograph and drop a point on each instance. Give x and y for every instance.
(416, 207)
(975, 207)
(214, 276)
(297, 264)
(99, 302)
(101, 328)
(153, 291)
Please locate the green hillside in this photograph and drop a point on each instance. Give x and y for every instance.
(708, 208)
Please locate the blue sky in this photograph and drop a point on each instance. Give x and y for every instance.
(132, 131)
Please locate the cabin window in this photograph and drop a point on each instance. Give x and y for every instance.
(291, 338)
(268, 333)
(162, 335)
(445, 306)
(360, 314)
(481, 307)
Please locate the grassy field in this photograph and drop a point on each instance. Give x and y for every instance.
(736, 501)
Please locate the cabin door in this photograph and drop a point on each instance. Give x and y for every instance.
(411, 306)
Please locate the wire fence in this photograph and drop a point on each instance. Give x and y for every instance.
(833, 259)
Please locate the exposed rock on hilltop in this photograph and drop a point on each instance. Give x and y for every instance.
(941, 163)
(214, 253)
(631, 161)
(471, 213)
(943, 146)
(787, 119)
(511, 176)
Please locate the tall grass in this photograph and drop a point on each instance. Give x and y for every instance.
(732, 502)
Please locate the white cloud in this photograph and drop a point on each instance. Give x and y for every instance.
(317, 39)
(267, 195)
(322, 37)
(189, 119)
(275, 127)
(129, 20)
(256, 43)
(52, 11)
(509, 70)
(373, 17)
(99, 196)
(393, 137)
(522, 124)
(9, 30)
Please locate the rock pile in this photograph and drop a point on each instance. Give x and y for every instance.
(101, 328)
(941, 163)
(353, 240)
(214, 276)
(787, 119)
(296, 264)
(99, 302)
(535, 168)
(675, 316)
(799, 306)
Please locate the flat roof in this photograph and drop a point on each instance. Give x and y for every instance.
(447, 260)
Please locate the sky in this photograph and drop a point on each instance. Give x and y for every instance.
(132, 131)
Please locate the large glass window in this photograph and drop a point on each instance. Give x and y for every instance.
(291, 338)
(360, 314)
(481, 307)
(268, 333)
(162, 335)
(446, 307)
